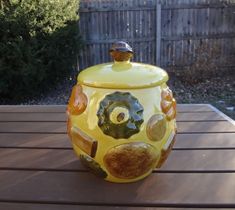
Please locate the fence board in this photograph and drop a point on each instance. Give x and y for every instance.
(167, 35)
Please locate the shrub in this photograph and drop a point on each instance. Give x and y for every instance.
(39, 42)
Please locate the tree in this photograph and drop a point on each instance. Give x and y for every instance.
(39, 42)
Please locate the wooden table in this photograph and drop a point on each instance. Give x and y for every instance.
(39, 170)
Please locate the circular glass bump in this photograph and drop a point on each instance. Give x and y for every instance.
(175, 125)
(120, 115)
(171, 114)
(129, 161)
(156, 127)
(77, 101)
(174, 104)
(69, 126)
(167, 94)
(166, 105)
(93, 166)
(165, 154)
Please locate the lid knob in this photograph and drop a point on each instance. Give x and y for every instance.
(121, 51)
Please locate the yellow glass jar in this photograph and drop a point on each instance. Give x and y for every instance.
(121, 117)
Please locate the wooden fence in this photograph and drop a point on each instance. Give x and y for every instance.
(168, 33)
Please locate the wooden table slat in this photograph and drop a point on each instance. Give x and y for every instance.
(62, 108)
(205, 127)
(34, 140)
(49, 159)
(199, 116)
(61, 141)
(37, 206)
(39, 170)
(32, 116)
(193, 108)
(205, 140)
(35, 127)
(162, 188)
(61, 117)
(33, 108)
(60, 127)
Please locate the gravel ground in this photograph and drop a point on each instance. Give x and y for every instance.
(219, 93)
(58, 95)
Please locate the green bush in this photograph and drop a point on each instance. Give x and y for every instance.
(39, 43)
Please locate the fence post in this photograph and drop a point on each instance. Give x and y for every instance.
(158, 33)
